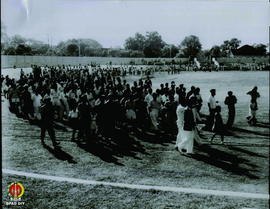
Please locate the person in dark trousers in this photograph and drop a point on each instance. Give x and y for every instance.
(218, 128)
(253, 107)
(252, 120)
(47, 118)
(84, 110)
(171, 116)
(230, 101)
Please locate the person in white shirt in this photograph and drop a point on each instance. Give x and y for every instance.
(148, 98)
(212, 108)
(164, 98)
(159, 98)
(36, 97)
(73, 120)
(176, 98)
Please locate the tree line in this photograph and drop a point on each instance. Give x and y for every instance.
(148, 45)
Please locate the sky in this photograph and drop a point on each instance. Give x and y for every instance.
(111, 22)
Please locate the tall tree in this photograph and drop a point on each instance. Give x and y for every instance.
(215, 51)
(230, 46)
(84, 46)
(169, 50)
(153, 44)
(260, 49)
(23, 49)
(38, 47)
(135, 43)
(72, 50)
(191, 46)
(17, 40)
(234, 43)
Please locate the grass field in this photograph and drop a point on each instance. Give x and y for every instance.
(143, 158)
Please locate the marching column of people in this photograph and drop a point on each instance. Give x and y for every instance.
(95, 102)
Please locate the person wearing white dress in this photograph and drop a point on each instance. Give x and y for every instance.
(186, 125)
(180, 122)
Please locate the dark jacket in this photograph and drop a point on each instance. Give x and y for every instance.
(189, 123)
(47, 113)
(230, 101)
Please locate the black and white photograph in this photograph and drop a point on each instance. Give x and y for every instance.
(135, 104)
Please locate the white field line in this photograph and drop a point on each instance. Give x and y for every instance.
(142, 187)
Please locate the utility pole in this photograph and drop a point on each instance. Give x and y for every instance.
(79, 47)
(48, 43)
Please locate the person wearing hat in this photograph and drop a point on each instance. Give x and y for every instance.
(212, 108)
(230, 101)
(47, 118)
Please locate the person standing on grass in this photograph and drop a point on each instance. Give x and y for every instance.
(171, 116)
(192, 89)
(254, 94)
(199, 99)
(230, 101)
(180, 121)
(36, 97)
(73, 120)
(148, 98)
(130, 110)
(84, 118)
(154, 109)
(253, 107)
(186, 126)
(197, 119)
(141, 112)
(47, 118)
(218, 128)
(212, 108)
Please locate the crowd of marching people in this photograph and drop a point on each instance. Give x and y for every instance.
(95, 101)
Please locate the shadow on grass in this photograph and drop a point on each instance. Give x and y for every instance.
(118, 145)
(226, 161)
(60, 154)
(247, 144)
(262, 125)
(155, 137)
(246, 151)
(265, 123)
(249, 131)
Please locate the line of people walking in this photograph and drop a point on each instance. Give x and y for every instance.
(95, 103)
